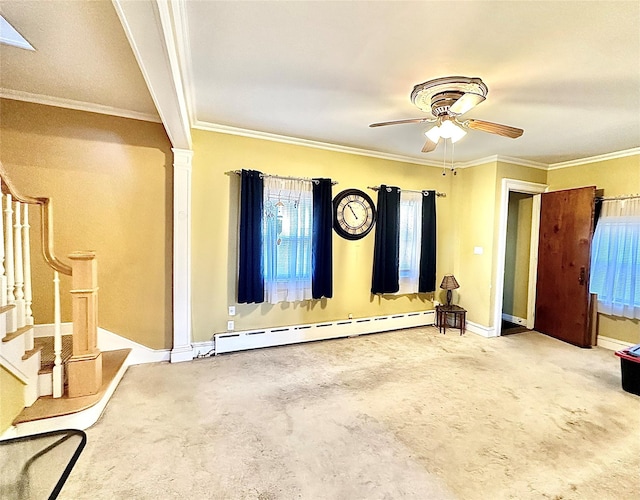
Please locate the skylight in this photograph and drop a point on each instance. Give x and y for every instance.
(9, 36)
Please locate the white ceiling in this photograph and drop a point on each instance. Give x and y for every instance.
(566, 72)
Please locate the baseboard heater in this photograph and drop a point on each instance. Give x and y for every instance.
(283, 335)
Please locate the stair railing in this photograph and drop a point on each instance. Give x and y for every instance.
(84, 368)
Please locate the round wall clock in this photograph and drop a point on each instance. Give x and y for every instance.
(353, 214)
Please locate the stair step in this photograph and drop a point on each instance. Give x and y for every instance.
(30, 353)
(8, 307)
(48, 356)
(20, 331)
(48, 407)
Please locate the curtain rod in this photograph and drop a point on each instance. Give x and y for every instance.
(438, 194)
(623, 197)
(315, 181)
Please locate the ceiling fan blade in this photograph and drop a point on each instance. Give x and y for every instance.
(495, 128)
(466, 102)
(398, 122)
(429, 146)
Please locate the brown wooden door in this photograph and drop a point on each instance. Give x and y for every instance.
(562, 291)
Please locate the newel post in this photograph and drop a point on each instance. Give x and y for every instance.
(84, 368)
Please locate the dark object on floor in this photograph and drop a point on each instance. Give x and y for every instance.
(451, 315)
(509, 328)
(630, 366)
(37, 466)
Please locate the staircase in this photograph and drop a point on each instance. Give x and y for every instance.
(59, 366)
(19, 356)
(34, 358)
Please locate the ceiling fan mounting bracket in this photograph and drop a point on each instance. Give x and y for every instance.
(440, 103)
(436, 96)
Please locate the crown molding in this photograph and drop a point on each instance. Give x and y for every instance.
(502, 159)
(267, 136)
(60, 102)
(594, 159)
(522, 162)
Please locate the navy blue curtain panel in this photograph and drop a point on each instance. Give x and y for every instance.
(386, 250)
(322, 253)
(427, 279)
(250, 277)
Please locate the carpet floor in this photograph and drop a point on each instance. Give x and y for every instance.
(411, 414)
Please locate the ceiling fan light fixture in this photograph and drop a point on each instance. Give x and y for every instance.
(433, 134)
(447, 130)
(450, 130)
(457, 134)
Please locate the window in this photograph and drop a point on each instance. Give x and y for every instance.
(615, 258)
(287, 239)
(404, 256)
(410, 229)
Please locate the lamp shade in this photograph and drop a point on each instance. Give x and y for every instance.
(448, 130)
(449, 282)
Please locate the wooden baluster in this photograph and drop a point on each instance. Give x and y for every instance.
(58, 380)
(18, 268)
(8, 253)
(26, 250)
(3, 275)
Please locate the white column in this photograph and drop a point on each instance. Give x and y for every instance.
(58, 379)
(26, 251)
(8, 252)
(3, 274)
(182, 349)
(19, 269)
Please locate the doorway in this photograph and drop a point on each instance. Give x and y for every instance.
(516, 265)
(533, 191)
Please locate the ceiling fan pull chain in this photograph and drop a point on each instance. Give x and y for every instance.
(444, 158)
(453, 150)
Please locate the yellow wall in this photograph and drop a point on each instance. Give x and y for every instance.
(617, 177)
(474, 192)
(517, 255)
(215, 220)
(110, 180)
(11, 400)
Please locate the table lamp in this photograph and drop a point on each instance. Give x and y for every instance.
(449, 283)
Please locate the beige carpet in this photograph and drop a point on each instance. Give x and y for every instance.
(411, 414)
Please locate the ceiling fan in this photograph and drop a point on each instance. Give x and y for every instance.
(447, 99)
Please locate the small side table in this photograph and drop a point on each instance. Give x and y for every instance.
(459, 318)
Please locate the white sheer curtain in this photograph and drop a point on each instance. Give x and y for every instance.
(410, 241)
(287, 225)
(615, 258)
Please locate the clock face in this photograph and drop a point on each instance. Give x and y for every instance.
(354, 214)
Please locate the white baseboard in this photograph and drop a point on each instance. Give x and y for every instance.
(203, 349)
(484, 331)
(612, 344)
(109, 341)
(180, 354)
(514, 319)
